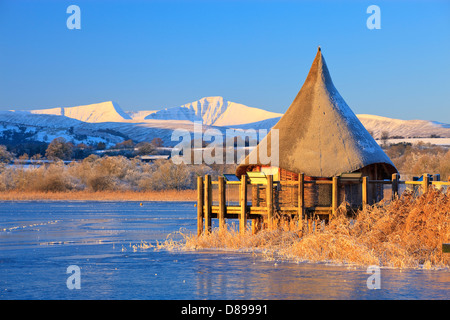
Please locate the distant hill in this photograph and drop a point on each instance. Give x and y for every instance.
(404, 128)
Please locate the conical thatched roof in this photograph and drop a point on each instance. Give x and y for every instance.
(319, 135)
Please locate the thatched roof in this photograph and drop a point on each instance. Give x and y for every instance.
(319, 135)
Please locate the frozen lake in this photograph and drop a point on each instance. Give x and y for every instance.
(40, 240)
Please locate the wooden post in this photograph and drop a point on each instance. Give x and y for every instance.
(222, 202)
(243, 203)
(395, 178)
(426, 181)
(301, 199)
(365, 193)
(199, 205)
(256, 222)
(269, 201)
(208, 203)
(335, 195)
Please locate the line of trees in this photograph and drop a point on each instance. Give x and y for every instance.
(60, 149)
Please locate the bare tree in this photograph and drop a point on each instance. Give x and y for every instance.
(384, 137)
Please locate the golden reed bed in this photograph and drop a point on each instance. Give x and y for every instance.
(169, 195)
(405, 233)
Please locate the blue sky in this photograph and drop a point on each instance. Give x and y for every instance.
(147, 55)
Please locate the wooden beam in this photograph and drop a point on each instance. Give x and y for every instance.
(269, 201)
(365, 194)
(199, 205)
(208, 203)
(222, 203)
(243, 204)
(335, 195)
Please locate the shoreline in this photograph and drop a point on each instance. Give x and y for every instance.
(167, 195)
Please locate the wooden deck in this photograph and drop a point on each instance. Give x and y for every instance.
(238, 204)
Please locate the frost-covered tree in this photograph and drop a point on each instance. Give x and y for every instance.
(5, 155)
(59, 149)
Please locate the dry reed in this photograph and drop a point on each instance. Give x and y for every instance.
(404, 233)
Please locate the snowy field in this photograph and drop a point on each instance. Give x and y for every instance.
(445, 142)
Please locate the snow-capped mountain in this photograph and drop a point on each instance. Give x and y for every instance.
(214, 111)
(108, 111)
(107, 122)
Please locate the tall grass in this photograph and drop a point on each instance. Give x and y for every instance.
(405, 233)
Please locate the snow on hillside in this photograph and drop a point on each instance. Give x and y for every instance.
(108, 111)
(214, 111)
(239, 114)
(139, 115)
(403, 128)
(37, 119)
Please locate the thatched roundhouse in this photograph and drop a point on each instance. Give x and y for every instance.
(320, 136)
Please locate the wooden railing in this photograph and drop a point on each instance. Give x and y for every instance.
(206, 211)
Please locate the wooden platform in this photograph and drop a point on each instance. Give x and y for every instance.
(258, 198)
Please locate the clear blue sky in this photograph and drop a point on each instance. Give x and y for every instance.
(147, 55)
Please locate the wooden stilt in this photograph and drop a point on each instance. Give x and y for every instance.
(364, 192)
(335, 196)
(222, 203)
(426, 181)
(199, 205)
(269, 201)
(208, 203)
(395, 178)
(301, 200)
(243, 204)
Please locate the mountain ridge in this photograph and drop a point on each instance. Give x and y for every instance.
(107, 122)
(107, 111)
(214, 111)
